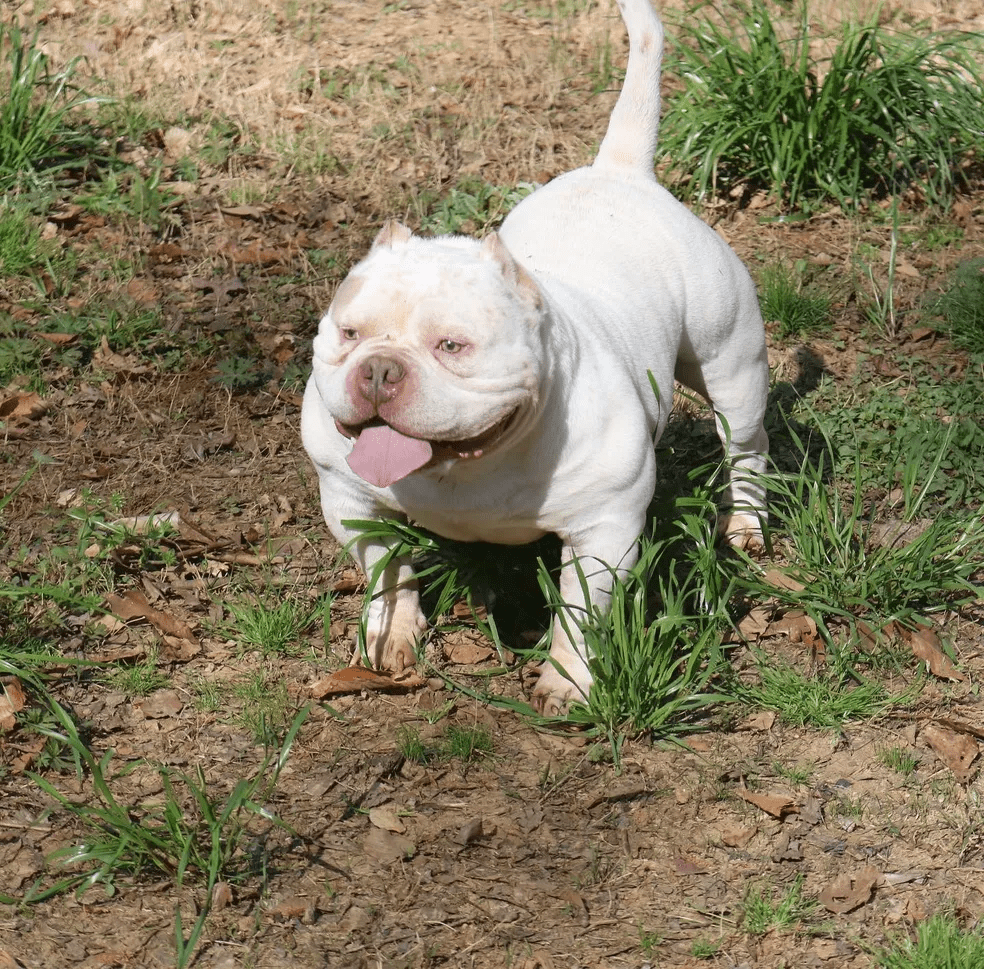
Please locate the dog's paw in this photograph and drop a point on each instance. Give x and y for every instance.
(393, 649)
(554, 691)
(741, 529)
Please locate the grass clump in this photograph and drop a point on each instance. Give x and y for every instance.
(785, 300)
(191, 835)
(473, 207)
(764, 913)
(37, 133)
(961, 306)
(939, 942)
(276, 629)
(885, 110)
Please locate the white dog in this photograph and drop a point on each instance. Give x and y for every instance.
(500, 390)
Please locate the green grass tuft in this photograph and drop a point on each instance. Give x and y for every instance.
(939, 942)
(38, 135)
(886, 110)
(961, 306)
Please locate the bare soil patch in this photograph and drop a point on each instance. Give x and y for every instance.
(307, 125)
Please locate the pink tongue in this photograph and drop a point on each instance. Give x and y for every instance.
(383, 456)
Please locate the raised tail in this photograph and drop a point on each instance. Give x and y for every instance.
(630, 141)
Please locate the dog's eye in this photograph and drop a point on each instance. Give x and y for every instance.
(349, 332)
(450, 346)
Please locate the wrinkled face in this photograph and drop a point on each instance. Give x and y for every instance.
(430, 344)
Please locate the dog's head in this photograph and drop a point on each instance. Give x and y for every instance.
(430, 351)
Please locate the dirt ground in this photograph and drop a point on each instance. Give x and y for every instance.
(308, 124)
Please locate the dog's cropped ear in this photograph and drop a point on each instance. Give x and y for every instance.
(493, 248)
(392, 234)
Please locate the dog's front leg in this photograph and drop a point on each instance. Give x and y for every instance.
(395, 623)
(586, 581)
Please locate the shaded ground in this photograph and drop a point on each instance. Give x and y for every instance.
(286, 135)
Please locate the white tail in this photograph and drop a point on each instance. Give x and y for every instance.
(630, 141)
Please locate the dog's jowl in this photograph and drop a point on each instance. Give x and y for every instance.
(498, 390)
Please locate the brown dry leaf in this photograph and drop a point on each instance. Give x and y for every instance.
(7, 961)
(221, 896)
(736, 836)
(846, 892)
(753, 625)
(687, 866)
(778, 805)
(387, 846)
(58, 339)
(22, 406)
(780, 580)
(466, 650)
(763, 720)
(12, 701)
(385, 817)
(162, 705)
(348, 582)
(927, 647)
(797, 625)
(134, 605)
(355, 679)
(957, 750)
(301, 907)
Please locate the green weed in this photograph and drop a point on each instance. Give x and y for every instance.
(138, 679)
(899, 760)
(655, 652)
(939, 942)
(277, 628)
(826, 700)
(763, 913)
(266, 705)
(191, 835)
(473, 207)
(128, 194)
(783, 299)
(961, 306)
(841, 569)
(885, 109)
(467, 744)
(38, 134)
(704, 949)
(798, 774)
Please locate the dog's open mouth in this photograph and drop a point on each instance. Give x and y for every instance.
(382, 455)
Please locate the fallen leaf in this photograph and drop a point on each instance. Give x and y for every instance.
(23, 406)
(134, 605)
(957, 750)
(754, 624)
(12, 701)
(221, 896)
(470, 831)
(300, 907)
(763, 720)
(926, 646)
(355, 679)
(847, 892)
(736, 836)
(778, 805)
(387, 846)
(162, 705)
(465, 650)
(386, 818)
(780, 580)
(686, 866)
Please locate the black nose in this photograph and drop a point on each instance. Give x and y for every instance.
(380, 379)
